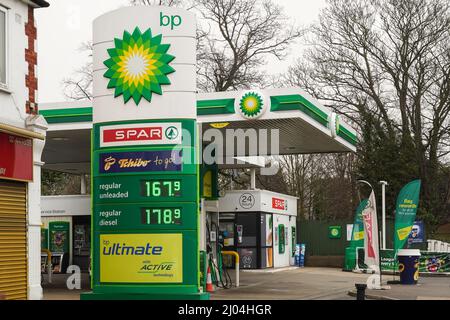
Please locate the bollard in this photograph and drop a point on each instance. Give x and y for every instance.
(361, 291)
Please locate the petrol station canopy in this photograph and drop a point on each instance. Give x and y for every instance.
(305, 125)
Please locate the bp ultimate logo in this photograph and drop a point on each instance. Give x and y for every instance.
(122, 249)
(138, 66)
(141, 258)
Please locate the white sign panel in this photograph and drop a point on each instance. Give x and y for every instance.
(144, 64)
(349, 232)
(140, 134)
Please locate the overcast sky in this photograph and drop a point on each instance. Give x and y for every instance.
(67, 23)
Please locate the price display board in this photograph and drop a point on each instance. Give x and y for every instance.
(145, 193)
(145, 208)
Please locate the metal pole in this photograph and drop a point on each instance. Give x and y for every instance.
(383, 208)
(237, 273)
(253, 179)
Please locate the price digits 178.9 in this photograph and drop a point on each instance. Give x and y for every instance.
(161, 216)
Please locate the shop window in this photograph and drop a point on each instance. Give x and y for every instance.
(3, 48)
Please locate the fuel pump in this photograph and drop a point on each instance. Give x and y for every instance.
(240, 232)
(281, 239)
(214, 246)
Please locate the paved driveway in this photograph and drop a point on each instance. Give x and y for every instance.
(294, 284)
(298, 284)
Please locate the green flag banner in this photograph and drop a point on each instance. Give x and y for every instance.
(358, 226)
(406, 209)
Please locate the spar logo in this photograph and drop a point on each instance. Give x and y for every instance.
(140, 134)
(279, 204)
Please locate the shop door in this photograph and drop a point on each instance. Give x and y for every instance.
(82, 241)
(246, 239)
(13, 240)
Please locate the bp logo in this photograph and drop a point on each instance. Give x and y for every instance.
(138, 66)
(335, 232)
(252, 105)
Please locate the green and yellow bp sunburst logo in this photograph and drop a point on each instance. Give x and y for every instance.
(138, 66)
(251, 105)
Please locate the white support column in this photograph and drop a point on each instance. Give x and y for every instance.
(383, 207)
(83, 190)
(35, 292)
(253, 179)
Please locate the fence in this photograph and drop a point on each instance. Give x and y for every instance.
(315, 234)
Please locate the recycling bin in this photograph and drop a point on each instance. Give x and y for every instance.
(408, 265)
(301, 263)
(350, 259)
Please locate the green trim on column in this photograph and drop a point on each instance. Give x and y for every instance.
(298, 102)
(67, 115)
(91, 261)
(348, 136)
(222, 106)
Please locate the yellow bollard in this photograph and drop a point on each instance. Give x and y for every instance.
(236, 255)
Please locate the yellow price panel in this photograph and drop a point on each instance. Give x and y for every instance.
(141, 258)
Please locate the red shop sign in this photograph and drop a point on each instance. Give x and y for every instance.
(279, 204)
(16, 158)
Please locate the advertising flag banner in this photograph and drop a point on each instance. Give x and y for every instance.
(417, 234)
(406, 209)
(371, 245)
(357, 239)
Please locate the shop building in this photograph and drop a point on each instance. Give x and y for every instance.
(22, 139)
(261, 226)
(66, 230)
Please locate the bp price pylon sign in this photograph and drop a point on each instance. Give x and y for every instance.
(145, 193)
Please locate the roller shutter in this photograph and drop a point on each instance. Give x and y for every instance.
(13, 240)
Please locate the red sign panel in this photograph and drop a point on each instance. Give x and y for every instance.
(140, 134)
(16, 158)
(279, 204)
(135, 134)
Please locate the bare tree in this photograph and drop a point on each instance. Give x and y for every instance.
(386, 65)
(187, 4)
(156, 2)
(79, 85)
(324, 184)
(240, 35)
(243, 34)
